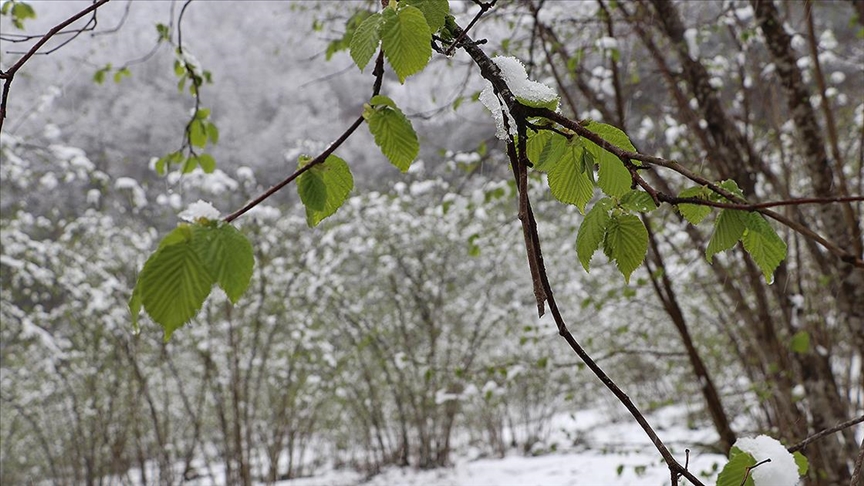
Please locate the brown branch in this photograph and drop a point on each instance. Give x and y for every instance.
(9, 74)
(626, 158)
(379, 76)
(535, 257)
(859, 462)
(483, 8)
(818, 435)
(751, 468)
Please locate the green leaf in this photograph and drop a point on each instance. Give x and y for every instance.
(734, 471)
(197, 134)
(800, 342)
(613, 136)
(567, 181)
(546, 150)
(613, 178)
(312, 190)
(535, 144)
(164, 32)
(639, 201)
(190, 164)
(212, 132)
(350, 27)
(121, 73)
(435, 11)
(227, 254)
(801, 462)
(626, 242)
(22, 11)
(207, 163)
(174, 282)
(337, 181)
(365, 40)
(99, 76)
(728, 185)
(202, 114)
(728, 229)
(406, 40)
(694, 213)
(763, 244)
(392, 131)
(592, 230)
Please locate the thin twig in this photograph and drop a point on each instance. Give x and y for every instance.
(750, 468)
(837, 428)
(9, 74)
(376, 89)
(483, 8)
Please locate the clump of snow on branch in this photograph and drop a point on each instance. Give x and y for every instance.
(525, 90)
(199, 209)
(190, 62)
(781, 471)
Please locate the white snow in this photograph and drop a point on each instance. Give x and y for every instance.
(594, 449)
(525, 90)
(48, 181)
(93, 196)
(781, 471)
(139, 197)
(690, 35)
(607, 43)
(199, 209)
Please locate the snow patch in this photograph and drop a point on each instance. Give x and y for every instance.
(781, 471)
(199, 209)
(527, 91)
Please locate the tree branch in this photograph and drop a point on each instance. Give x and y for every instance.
(818, 435)
(535, 256)
(376, 89)
(9, 74)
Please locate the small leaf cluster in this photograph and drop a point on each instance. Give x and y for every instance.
(611, 224)
(19, 11)
(404, 31)
(119, 74)
(187, 71)
(731, 226)
(178, 277)
(199, 132)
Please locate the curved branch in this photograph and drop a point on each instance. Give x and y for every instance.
(9, 74)
(379, 76)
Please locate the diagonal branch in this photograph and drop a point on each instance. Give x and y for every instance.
(376, 89)
(9, 74)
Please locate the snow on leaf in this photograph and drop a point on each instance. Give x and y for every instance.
(781, 471)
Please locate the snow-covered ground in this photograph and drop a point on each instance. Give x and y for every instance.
(609, 452)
